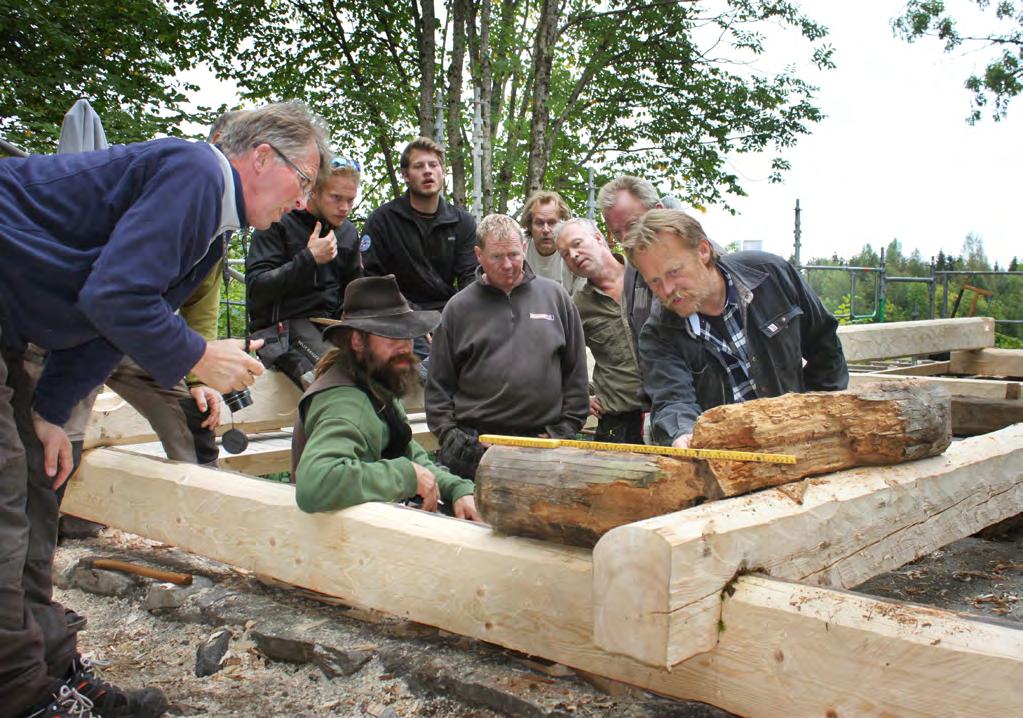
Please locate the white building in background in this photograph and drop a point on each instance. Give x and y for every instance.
(752, 245)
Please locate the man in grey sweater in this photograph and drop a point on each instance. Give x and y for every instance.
(509, 356)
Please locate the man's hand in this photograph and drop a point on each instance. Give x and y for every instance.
(56, 450)
(465, 508)
(595, 407)
(323, 248)
(205, 398)
(226, 367)
(682, 442)
(426, 488)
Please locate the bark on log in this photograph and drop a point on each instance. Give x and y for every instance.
(872, 425)
(574, 496)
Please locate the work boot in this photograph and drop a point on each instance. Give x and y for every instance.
(110, 701)
(61, 701)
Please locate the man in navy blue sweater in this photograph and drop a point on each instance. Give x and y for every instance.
(99, 249)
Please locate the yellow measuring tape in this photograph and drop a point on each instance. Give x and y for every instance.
(538, 443)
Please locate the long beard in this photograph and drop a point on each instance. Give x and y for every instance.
(398, 379)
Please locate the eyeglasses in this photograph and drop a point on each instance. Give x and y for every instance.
(343, 163)
(304, 183)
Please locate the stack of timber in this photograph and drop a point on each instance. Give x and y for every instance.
(575, 496)
(652, 594)
(986, 384)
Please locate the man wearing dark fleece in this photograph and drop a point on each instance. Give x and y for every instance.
(99, 249)
(509, 356)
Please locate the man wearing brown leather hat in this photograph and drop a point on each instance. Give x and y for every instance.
(352, 441)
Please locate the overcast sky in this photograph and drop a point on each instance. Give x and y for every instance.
(894, 158)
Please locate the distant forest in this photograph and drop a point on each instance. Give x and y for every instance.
(910, 300)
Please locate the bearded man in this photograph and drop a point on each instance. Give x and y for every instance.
(352, 441)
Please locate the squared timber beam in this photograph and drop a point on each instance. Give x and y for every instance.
(988, 362)
(981, 388)
(862, 342)
(658, 582)
(784, 649)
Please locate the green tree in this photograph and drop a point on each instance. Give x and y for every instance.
(1002, 78)
(563, 86)
(122, 56)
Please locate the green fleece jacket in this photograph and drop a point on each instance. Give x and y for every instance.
(341, 464)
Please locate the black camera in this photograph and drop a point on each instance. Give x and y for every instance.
(238, 400)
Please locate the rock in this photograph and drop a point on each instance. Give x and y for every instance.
(209, 655)
(164, 596)
(332, 660)
(72, 527)
(104, 583)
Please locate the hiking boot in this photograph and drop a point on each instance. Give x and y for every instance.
(62, 701)
(75, 621)
(110, 701)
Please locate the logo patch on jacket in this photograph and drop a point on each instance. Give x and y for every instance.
(548, 317)
(365, 243)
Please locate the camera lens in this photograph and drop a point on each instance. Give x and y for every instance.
(238, 400)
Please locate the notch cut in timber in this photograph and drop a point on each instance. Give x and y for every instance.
(784, 650)
(658, 582)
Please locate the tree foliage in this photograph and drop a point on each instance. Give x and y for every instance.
(1002, 77)
(122, 55)
(661, 88)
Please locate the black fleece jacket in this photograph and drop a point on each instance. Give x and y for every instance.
(431, 260)
(281, 274)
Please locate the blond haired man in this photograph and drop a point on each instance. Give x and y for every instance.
(542, 211)
(726, 329)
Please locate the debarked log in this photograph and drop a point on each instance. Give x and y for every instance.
(575, 496)
(871, 425)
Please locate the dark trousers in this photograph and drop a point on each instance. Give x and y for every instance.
(36, 647)
(305, 347)
(624, 428)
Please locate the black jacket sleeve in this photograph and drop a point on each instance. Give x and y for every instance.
(374, 257)
(465, 254)
(270, 273)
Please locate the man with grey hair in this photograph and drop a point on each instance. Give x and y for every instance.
(99, 250)
(509, 356)
(727, 329)
(622, 201)
(617, 398)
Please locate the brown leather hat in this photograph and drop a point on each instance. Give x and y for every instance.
(374, 305)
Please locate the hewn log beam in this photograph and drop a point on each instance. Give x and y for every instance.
(986, 388)
(932, 368)
(862, 342)
(658, 582)
(988, 362)
(537, 598)
(972, 416)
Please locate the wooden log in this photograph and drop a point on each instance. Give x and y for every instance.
(862, 342)
(871, 425)
(987, 388)
(972, 416)
(658, 582)
(574, 496)
(784, 649)
(988, 362)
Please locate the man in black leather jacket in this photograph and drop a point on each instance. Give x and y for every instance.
(298, 269)
(726, 329)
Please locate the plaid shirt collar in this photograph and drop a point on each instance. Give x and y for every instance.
(732, 348)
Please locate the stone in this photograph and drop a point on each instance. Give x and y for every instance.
(208, 655)
(164, 596)
(104, 583)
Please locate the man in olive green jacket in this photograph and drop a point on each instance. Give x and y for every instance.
(352, 441)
